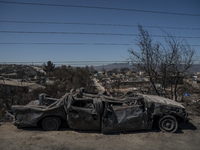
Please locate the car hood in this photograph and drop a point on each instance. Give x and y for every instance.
(161, 100)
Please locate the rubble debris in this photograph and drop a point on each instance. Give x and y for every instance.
(8, 117)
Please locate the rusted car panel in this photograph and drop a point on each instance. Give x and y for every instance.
(159, 106)
(161, 100)
(32, 113)
(84, 114)
(100, 112)
(124, 119)
(26, 116)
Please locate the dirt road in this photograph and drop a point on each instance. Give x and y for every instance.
(12, 138)
(98, 86)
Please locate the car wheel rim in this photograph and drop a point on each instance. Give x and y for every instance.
(168, 124)
(50, 125)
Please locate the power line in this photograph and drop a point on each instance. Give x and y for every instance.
(84, 33)
(67, 62)
(97, 24)
(104, 8)
(117, 44)
(111, 44)
(195, 45)
(72, 61)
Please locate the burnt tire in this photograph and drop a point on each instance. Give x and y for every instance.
(51, 123)
(168, 123)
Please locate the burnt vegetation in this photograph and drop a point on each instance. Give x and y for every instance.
(66, 78)
(164, 63)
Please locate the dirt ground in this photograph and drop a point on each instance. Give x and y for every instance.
(187, 138)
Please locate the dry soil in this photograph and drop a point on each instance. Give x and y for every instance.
(188, 138)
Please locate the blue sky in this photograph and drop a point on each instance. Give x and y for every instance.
(43, 53)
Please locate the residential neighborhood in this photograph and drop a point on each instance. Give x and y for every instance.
(19, 82)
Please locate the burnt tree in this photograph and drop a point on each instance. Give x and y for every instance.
(165, 63)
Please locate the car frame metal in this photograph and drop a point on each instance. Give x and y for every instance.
(87, 111)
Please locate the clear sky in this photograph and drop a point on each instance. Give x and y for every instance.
(89, 52)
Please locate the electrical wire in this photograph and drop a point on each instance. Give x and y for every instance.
(71, 62)
(111, 44)
(103, 8)
(87, 33)
(117, 44)
(97, 24)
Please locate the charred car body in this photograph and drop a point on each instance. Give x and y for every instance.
(100, 112)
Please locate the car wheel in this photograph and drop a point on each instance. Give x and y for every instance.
(168, 123)
(51, 123)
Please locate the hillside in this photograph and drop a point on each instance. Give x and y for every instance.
(118, 66)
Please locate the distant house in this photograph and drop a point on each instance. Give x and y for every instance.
(108, 73)
(141, 73)
(98, 74)
(157, 85)
(194, 77)
(196, 84)
(189, 81)
(128, 73)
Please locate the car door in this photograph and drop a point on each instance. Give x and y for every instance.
(84, 114)
(117, 118)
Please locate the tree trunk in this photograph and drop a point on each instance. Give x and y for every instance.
(175, 86)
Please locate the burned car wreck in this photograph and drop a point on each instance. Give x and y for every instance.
(100, 112)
